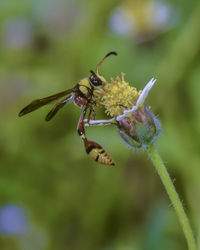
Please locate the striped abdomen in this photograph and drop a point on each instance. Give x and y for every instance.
(97, 153)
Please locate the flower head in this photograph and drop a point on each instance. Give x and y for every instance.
(118, 96)
(136, 124)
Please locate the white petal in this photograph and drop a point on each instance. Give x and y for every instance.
(126, 112)
(98, 122)
(140, 100)
(145, 92)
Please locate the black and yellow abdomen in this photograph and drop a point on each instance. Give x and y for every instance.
(97, 153)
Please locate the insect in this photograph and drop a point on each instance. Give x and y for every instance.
(82, 94)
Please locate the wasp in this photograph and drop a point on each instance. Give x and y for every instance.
(82, 94)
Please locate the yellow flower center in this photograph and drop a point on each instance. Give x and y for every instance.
(117, 96)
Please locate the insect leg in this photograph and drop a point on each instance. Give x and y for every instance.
(93, 113)
(93, 149)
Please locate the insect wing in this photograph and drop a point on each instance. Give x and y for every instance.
(36, 104)
(58, 106)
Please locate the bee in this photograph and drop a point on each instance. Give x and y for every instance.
(82, 94)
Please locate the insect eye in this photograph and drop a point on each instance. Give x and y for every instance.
(94, 79)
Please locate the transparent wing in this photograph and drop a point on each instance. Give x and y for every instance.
(58, 106)
(36, 104)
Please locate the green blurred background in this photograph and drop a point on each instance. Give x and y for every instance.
(52, 196)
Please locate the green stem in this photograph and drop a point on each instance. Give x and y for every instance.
(169, 186)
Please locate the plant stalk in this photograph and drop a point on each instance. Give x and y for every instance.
(173, 195)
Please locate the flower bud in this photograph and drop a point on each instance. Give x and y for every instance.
(139, 128)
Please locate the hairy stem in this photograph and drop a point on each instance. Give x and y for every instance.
(173, 195)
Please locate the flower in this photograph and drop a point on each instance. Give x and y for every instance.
(140, 100)
(117, 96)
(136, 124)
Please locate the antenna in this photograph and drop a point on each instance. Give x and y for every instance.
(102, 60)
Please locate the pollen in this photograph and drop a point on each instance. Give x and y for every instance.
(117, 96)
